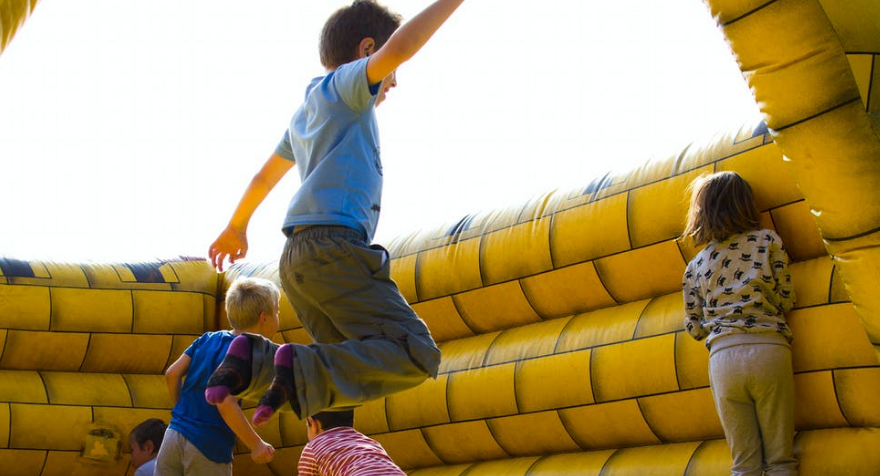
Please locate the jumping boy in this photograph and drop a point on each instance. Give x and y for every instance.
(368, 341)
(200, 438)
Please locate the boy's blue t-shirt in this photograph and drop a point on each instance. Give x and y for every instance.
(193, 417)
(334, 139)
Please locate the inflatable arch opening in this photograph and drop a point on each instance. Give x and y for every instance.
(560, 319)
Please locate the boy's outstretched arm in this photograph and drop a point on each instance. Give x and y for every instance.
(174, 376)
(409, 39)
(261, 452)
(232, 242)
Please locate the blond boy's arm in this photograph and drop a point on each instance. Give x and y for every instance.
(261, 452)
(409, 39)
(232, 242)
(174, 376)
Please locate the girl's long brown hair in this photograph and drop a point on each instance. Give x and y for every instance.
(722, 204)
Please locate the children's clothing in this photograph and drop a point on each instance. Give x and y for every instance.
(735, 294)
(369, 342)
(334, 139)
(178, 456)
(146, 469)
(195, 423)
(344, 451)
(738, 286)
(372, 342)
(753, 388)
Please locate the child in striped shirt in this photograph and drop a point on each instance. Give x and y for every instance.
(335, 448)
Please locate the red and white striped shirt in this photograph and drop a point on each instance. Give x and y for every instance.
(344, 451)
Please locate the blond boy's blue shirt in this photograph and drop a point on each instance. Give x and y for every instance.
(192, 416)
(334, 139)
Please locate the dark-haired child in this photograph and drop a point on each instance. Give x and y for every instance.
(144, 442)
(335, 448)
(368, 340)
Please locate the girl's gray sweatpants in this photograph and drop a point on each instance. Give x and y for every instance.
(753, 386)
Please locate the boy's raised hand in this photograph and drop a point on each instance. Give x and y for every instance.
(231, 244)
(409, 39)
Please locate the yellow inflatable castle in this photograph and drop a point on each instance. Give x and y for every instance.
(560, 320)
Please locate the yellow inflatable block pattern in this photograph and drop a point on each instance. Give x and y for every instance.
(495, 307)
(123, 318)
(455, 443)
(22, 387)
(127, 353)
(501, 253)
(443, 319)
(25, 307)
(849, 451)
(541, 385)
(659, 359)
(810, 97)
(656, 211)
(590, 231)
(422, 406)
(580, 464)
(27, 350)
(410, 448)
(67, 388)
(32, 426)
(372, 416)
(569, 290)
(148, 391)
(562, 370)
(604, 326)
(608, 425)
(526, 342)
(552, 438)
(22, 462)
(682, 416)
(559, 319)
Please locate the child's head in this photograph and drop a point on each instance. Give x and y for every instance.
(348, 26)
(722, 204)
(323, 421)
(145, 440)
(249, 300)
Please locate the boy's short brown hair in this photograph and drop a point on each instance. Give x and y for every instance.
(335, 419)
(247, 297)
(151, 429)
(344, 30)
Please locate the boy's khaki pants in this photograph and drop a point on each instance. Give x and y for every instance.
(368, 341)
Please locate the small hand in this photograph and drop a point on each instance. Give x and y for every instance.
(231, 245)
(263, 453)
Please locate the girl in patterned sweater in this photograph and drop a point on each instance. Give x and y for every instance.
(735, 292)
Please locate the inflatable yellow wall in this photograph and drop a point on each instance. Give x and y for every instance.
(560, 320)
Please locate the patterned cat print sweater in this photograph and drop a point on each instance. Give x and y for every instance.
(736, 291)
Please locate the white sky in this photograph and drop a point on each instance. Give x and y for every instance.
(129, 129)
